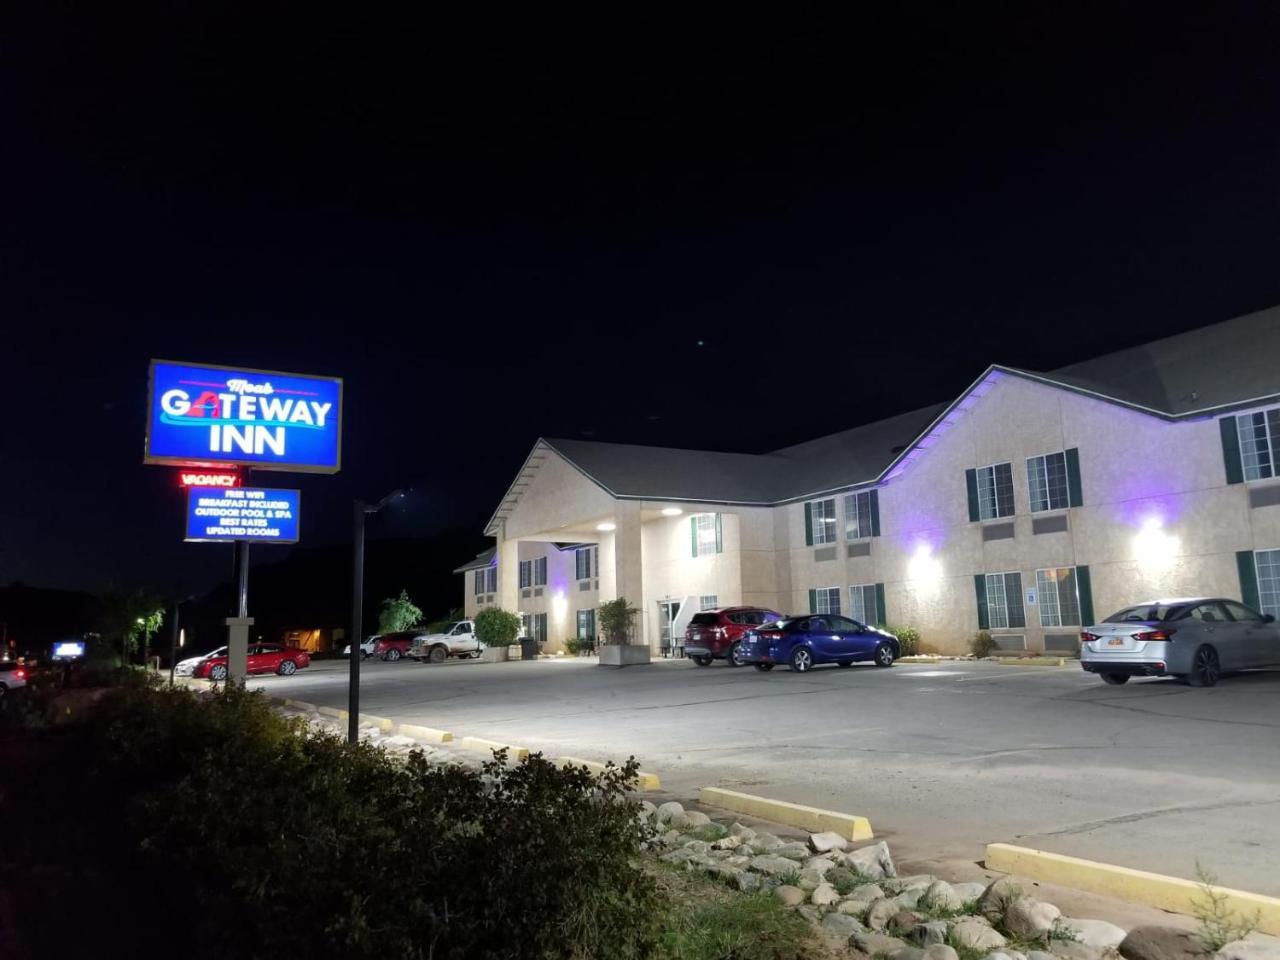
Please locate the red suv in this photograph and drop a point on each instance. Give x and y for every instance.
(714, 634)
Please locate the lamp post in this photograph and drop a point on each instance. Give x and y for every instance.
(361, 511)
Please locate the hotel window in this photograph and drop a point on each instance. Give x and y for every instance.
(862, 515)
(1004, 601)
(820, 523)
(585, 561)
(705, 534)
(1053, 480)
(1059, 599)
(990, 491)
(586, 624)
(866, 603)
(479, 582)
(1259, 433)
(526, 573)
(1268, 567)
(540, 572)
(824, 600)
(708, 601)
(538, 626)
(491, 580)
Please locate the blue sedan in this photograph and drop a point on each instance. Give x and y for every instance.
(804, 642)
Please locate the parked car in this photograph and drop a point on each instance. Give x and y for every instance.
(13, 675)
(1197, 639)
(263, 658)
(187, 667)
(716, 634)
(388, 646)
(804, 642)
(457, 640)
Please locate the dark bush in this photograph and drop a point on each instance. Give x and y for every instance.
(270, 843)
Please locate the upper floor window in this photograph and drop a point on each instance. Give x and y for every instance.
(820, 522)
(705, 534)
(478, 580)
(540, 572)
(491, 580)
(862, 514)
(1259, 433)
(1053, 480)
(526, 573)
(990, 491)
(708, 601)
(585, 562)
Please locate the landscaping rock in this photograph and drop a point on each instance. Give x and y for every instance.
(667, 811)
(811, 880)
(867, 891)
(1161, 943)
(1005, 955)
(929, 933)
(1092, 933)
(406, 743)
(969, 892)
(841, 925)
(822, 865)
(772, 866)
(880, 913)
(810, 913)
(1259, 946)
(940, 895)
(940, 951)
(1030, 918)
(854, 908)
(873, 944)
(699, 847)
(792, 851)
(727, 843)
(647, 809)
(873, 862)
(918, 881)
(907, 953)
(998, 895)
(789, 895)
(679, 820)
(826, 842)
(735, 860)
(746, 882)
(909, 900)
(697, 818)
(671, 836)
(745, 834)
(680, 855)
(765, 842)
(702, 862)
(903, 922)
(824, 896)
(976, 935)
(1040, 955)
(1070, 950)
(720, 855)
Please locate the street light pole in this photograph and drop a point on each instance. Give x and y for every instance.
(357, 608)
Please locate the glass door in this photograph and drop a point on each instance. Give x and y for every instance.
(668, 611)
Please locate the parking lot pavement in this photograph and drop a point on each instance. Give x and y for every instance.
(942, 758)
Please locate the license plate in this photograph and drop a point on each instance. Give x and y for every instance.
(1116, 642)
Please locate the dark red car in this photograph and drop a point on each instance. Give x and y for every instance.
(714, 634)
(263, 658)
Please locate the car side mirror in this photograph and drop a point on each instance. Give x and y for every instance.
(1268, 618)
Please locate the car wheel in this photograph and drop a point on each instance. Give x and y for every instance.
(1115, 679)
(287, 668)
(801, 660)
(475, 654)
(702, 661)
(735, 655)
(218, 673)
(763, 667)
(846, 663)
(438, 655)
(1205, 669)
(884, 655)
(392, 655)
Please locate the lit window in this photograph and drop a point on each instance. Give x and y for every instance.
(995, 491)
(863, 605)
(1047, 481)
(826, 600)
(491, 580)
(859, 508)
(706, 534)
(586, 624)
(708, 601)
(1259, 434)
(1059, 601)
(1004, 600)
(820, 516)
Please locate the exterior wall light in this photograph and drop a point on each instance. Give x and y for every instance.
(1155, 550)
(924, 570)
(606, 526)
(671, 511)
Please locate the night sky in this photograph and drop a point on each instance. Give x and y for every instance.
(729, 233)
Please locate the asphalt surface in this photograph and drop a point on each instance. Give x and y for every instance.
(942, 758)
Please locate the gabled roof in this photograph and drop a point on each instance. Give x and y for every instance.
(481, 561)
(1229, 365)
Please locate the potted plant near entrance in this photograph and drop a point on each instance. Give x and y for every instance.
(496, 630)
(616, 619)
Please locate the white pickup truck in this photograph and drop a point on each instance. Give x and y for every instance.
(457, 640)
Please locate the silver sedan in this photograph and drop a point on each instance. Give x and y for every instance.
(1194, 638)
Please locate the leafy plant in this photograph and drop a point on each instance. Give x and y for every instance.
(496, 627)
(908, 640)
(982, 644)
(1219, 924)
(790, 879)
(398, 613)
(615, 619)
(127, 617)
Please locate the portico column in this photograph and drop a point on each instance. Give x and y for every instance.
(509, 575)
(628, 562)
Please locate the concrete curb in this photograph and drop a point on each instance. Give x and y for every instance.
(1032, 661)
(848, 825)
(333, 712)
(430, 734)
(1152, 889)
(919, 660)
(647, 781)
(301, 705)
(488, 746)
(382, 723)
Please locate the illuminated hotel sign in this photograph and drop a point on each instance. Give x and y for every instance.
(208, 478)
(243, 513)
(206, 416)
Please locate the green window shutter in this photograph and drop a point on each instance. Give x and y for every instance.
(719, 535)
(1231, 450)
(1075, 494)
(1084, 587)
(880, 611)
(808, 524)
(1248, 579)
(693, 535)
(980, 590)
(813, 601)
(971, 484)
(875, 513)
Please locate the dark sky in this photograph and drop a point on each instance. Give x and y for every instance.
(726, 232)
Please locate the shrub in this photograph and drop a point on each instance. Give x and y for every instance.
(908, 640)
(398, 613)
(615, 618)
(258, 841)
(982, 644)
(1219, 924)
(497, 628)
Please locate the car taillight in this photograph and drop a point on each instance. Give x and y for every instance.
(20, 674)
(1088, 637)
(771, 635)
(1155, 635)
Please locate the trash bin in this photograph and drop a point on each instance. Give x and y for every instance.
(528, 649)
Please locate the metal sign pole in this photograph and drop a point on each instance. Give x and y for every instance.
(357, 615)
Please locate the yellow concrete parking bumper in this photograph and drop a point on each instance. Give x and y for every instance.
(647, 781)
(848, 825)
(334, 712)
(429, 734)
(1138, 886)
(488, 746)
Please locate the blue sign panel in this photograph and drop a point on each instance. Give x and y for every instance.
(203, 416)
(243, 513)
